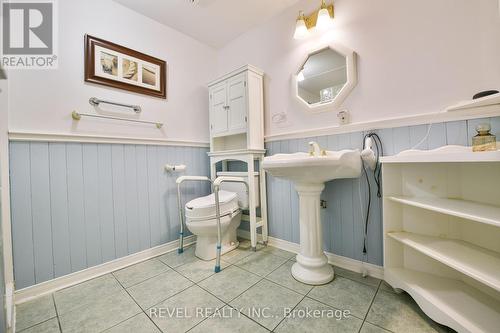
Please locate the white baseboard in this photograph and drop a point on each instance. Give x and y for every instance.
(9, 305)
(336, 260)
(28, 293)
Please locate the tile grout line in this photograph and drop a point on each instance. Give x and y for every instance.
(285, 317)
(201, 287)
(330, 306)
(45, 320)
(121, 322)
(250, 318)
(39, 323)
(193, 284)
(57, 312)
(228, 303)
(371, 303)
(264, 278)
(231, 306)
(203, 279)
(149, 278)
(235, 264)
(232, 299)
(277, 283)
(142, 310)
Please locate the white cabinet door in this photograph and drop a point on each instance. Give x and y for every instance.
(236, 99)
(218, 109)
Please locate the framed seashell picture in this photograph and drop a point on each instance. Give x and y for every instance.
(116, 66)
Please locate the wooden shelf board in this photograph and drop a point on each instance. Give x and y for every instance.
(469, 210)
(476, 262)
(450, 302)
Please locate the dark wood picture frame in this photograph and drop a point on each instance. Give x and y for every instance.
(90, 72)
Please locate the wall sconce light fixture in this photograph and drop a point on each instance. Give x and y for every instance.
(300, 27)
(321, 19)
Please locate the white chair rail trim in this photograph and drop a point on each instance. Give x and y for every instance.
(419, 119)
(60, 137)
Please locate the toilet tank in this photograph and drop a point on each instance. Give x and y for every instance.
(240, 188)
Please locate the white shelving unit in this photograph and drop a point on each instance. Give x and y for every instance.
(442, 234)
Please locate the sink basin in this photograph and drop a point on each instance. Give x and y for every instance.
(309, 172)
(304, 168)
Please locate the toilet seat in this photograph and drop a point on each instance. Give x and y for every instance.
(201, 220)
(203, 208)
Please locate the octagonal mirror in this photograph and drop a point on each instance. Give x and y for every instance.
(326, 77)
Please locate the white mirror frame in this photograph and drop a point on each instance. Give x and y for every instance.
(352, 79)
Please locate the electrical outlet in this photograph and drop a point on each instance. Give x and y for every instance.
(279, 118)
(343, 117)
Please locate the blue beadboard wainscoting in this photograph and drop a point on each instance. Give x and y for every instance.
(343, 223)
(77, 205)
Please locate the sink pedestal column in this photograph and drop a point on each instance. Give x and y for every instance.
(312, 264)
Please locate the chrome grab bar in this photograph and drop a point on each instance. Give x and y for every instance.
(94, 101)
(78, 115)
(216, 185)
(179, 181)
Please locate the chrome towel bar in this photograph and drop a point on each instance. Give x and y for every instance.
(77, 116)
(94, 101)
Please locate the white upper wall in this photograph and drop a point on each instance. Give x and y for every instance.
(42, 100)
(414, 57)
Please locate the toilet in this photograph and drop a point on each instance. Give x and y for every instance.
(201, 219)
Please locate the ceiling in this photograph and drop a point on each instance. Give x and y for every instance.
(212, 22)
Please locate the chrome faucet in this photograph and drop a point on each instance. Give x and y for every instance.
(315, 150)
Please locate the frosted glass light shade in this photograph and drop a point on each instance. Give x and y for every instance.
(324, 19)
(300, 29)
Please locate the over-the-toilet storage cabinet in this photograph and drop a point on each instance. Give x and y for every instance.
(442, 234)
(228, 107)
(236, 110)
(236, 107)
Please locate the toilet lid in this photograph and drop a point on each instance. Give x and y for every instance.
(204, 207)
(209, 200)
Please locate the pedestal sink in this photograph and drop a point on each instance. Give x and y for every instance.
(309, 172)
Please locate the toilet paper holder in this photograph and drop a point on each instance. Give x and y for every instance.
(175, 168)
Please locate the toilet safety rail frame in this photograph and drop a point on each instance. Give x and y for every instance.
(179, 181)
(216, 188)
(216, 184)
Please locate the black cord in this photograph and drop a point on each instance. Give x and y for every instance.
(378, 167)
(367, 209)
(376, 175)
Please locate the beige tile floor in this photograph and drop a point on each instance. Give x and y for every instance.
(179, 293)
